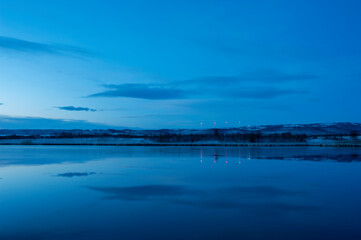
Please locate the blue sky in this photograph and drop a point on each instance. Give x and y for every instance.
(174, 64)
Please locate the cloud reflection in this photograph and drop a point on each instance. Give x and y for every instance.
(141, 192)
(263, 198)
(259, 192)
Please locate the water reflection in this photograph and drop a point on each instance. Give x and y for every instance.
(146, 192)
(334, 157)
(201, 155)
(24, 155)
(141, 193)
(283, 153)
(247, 198)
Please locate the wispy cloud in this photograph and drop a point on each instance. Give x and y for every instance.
(263, 76)
(261, 93)
(78, 109)
(240, 48)
(143, 91)
(20, 45)
(75, 174)
(10, 122)
(255, 85)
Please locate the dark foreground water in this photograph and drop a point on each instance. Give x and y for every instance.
(140, 193)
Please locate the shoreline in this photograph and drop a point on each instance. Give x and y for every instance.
(336, 145)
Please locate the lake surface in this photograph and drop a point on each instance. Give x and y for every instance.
(140, 193)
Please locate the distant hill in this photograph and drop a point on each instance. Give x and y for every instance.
(314, 134)
(314, 129)
(342, 128)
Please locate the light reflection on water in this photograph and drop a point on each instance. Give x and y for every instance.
(82, 192)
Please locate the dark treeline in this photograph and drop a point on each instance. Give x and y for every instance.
(166, 137)
(174, 136)
(229, 137)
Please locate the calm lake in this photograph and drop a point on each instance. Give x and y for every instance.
(140, 193)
